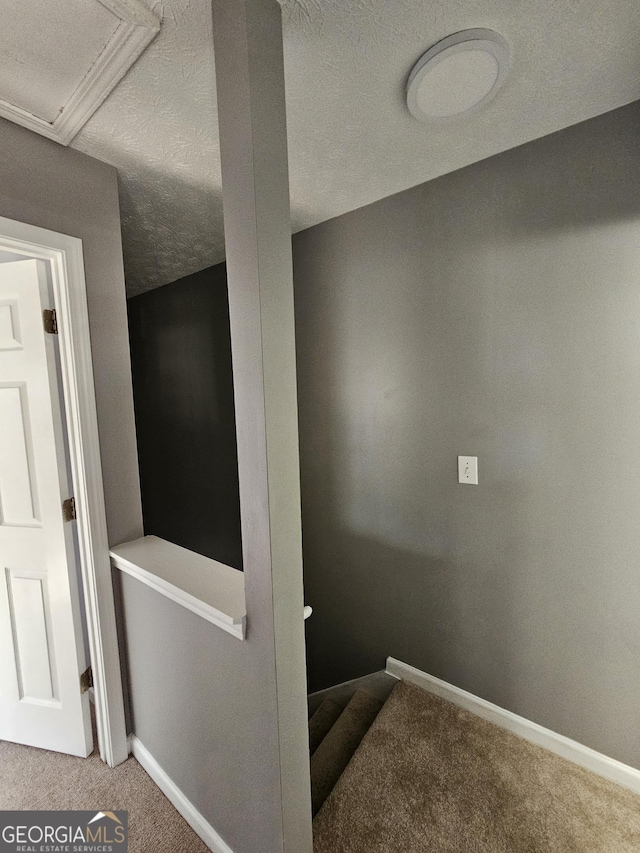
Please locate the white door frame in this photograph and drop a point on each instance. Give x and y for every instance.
(66, 265)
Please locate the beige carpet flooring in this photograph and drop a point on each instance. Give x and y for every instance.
(33, 779)
(430, 777)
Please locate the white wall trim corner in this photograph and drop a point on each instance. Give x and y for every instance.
(584, 756)
(175, 796)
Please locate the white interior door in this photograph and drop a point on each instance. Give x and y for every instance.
(41, 643)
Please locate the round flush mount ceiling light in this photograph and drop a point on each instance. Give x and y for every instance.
(458, 75)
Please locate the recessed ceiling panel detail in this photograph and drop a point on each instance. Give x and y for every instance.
(59, 64)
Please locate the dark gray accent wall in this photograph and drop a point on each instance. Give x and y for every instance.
(492, 312)
(185, 422)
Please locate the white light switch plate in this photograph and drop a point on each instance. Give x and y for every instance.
(468, 470)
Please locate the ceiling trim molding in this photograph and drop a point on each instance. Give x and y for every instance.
(138, 27)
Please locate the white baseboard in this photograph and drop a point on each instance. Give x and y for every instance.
(598, 763)
(175, 796)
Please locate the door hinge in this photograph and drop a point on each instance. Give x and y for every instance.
(86, 680)
(50, 321)
(69, 509)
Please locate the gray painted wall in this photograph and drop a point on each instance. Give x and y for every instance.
(203, 706)
(44, 184)
(492, 312)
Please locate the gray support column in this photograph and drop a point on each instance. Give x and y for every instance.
(253, 146)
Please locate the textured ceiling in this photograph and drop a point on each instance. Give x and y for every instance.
(351, 138)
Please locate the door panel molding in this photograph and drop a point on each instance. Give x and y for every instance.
(10, 332)
(19, 506)
(28, 598)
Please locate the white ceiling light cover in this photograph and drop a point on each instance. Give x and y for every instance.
(458, 75)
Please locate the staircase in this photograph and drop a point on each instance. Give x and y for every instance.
(334, 736)
(416, 773)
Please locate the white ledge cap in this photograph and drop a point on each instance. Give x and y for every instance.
(211, 589)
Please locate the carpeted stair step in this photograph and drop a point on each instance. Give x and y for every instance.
(339, 744)
(430, 776)
(321, 723)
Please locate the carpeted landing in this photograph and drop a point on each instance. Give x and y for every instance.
(429, 777)
(34, 779)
